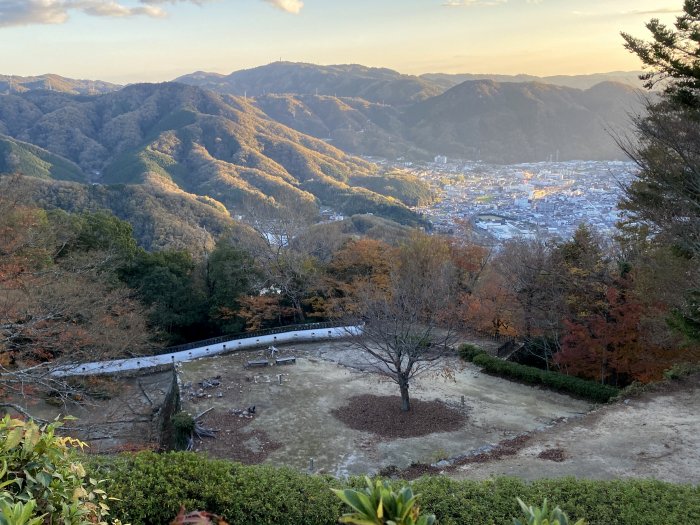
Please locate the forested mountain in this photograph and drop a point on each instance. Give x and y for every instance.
(518, 122)
(179, 161)
(446, 80)
(360, 110)
(34, 161)
(381, 85)
(16, 84)
(497, 118)
(486, 120)
(351, 124)
(162, 216)
(217, 152)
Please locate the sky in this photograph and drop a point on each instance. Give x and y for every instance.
(157, 40)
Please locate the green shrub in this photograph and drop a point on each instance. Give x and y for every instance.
(680, 370)
(378, 504)
(553, 380)
(183, 426)
(40, 478)
(19, 513)
(544, 516)
(468, 351)
(627, 502)
(153, 486)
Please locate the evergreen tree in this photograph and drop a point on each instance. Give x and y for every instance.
(665, 196)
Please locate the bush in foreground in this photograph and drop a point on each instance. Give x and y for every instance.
(378, 504)
(41, 481)
(543, 516)
(152, 487)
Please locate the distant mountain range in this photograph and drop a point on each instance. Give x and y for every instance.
(380, 85)
(373, 84)
(15, 84)
(380, 112)
(516, 122)
(477, 120)
(631, 78)
(209, 147)
(496, 118)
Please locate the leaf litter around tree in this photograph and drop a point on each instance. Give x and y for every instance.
(381, 415)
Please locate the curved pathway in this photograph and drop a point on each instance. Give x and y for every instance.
(206, 350)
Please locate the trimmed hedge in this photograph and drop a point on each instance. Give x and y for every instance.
(468, 351)
(151, 487)
(536, 376)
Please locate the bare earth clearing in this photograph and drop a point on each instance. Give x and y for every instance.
(129, 414)
(656, 435)
(294, 420)
(541, 434)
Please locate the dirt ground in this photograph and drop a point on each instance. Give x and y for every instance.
(294, 409)
(656, 435)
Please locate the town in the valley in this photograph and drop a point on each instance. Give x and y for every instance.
(523, 200)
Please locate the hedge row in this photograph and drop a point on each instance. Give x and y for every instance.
(151, 487)
(535, 376)
(468, 351)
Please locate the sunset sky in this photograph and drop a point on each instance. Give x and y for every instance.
(156, 40)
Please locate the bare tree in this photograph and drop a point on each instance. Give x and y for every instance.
(535, 280)
(286, 270)
(410, 323)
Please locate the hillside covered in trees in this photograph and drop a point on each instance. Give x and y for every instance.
(494, 118)
(17, 84)
(503, 122)
(219, 151)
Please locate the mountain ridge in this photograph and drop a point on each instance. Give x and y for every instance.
(359, 81)
(53, 82)
(518, 122)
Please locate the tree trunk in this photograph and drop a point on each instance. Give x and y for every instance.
(298, 310)
(405, 401)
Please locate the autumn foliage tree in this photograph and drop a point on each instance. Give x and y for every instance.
(60, 302)
(360, 263)
(288, 273)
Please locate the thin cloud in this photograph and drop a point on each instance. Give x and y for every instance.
(113, 9)
(633, 12)
(290, 6)
(31, 12)
(660, 11)
(42, 12)
(197, 2)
